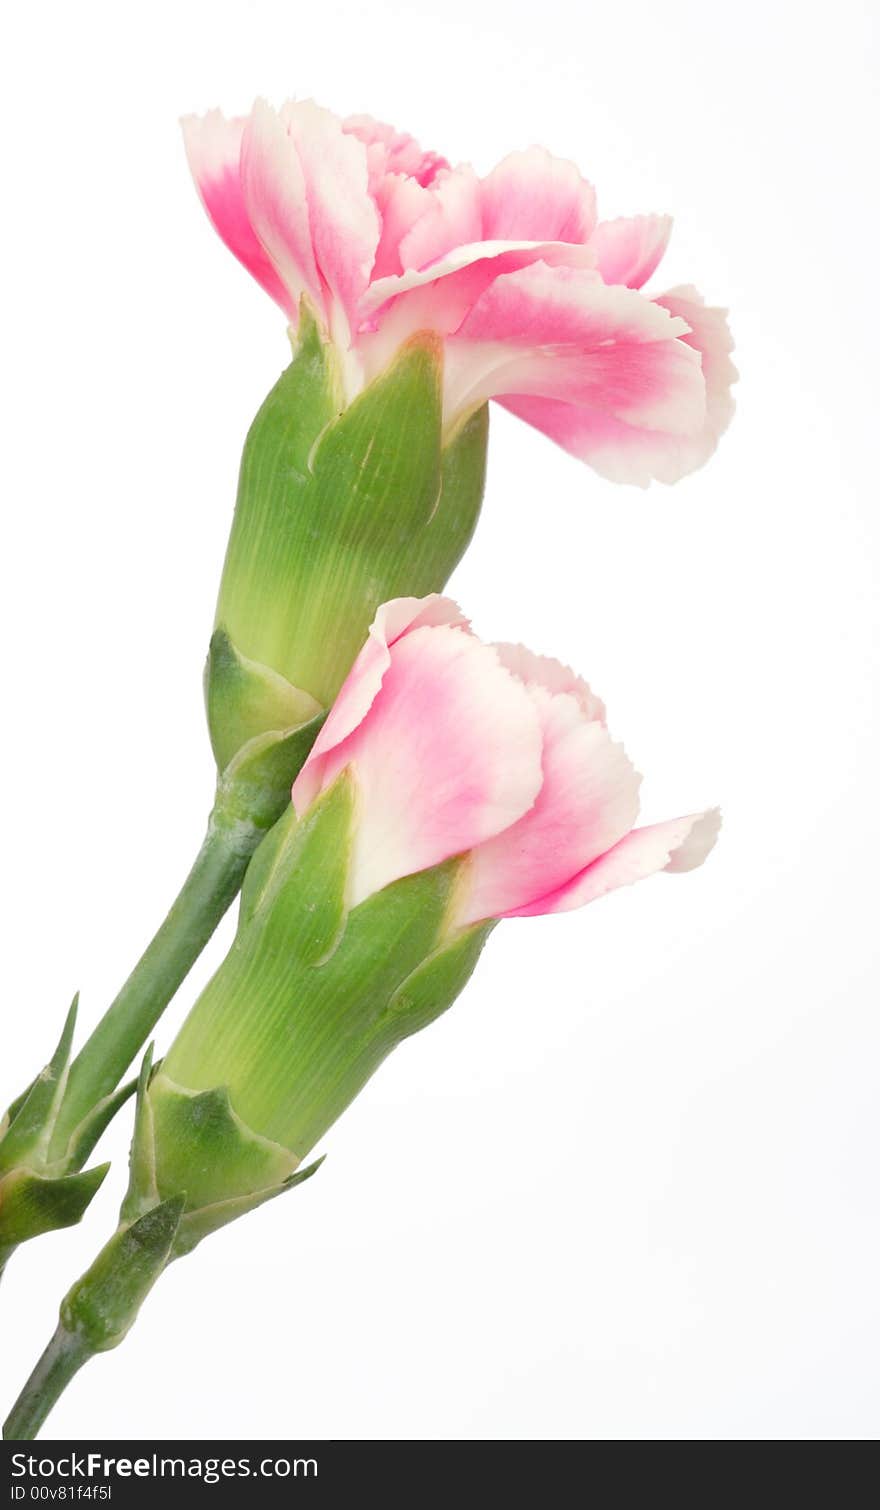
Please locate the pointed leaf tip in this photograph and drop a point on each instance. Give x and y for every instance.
(31, 1119)
(31, 1204)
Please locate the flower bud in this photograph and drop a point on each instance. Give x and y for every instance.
(453, 783)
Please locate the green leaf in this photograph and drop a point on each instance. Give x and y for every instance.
(31, 1204)
(26, 1138)
(196, 1225)
(143, 1189)
(86, 1135)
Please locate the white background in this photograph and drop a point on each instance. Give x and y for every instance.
(627, 1187)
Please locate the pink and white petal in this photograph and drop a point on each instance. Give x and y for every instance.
(689, 846)
(486, 259)
(560, 332)
(544, 671)
(709, 335)
(274, 191)
(629, 250)
(213, 150)
(679, 845)
(448, 755)
(588, 801)
(617, 451)
(401, 201)
(630, 453)
(533, 196)
(343, 218)
(360, 688)
(451, 219)
(391, 151)
(439, 298)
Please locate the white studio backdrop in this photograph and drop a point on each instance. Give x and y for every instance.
(626, 1188)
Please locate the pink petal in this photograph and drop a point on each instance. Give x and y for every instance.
(401, 202)
(390, 151)
(629, 250)
(588, 801)
(274, 190)
(533, 196)
(439, 297)
(709, 335)
(451, 219)
(360, 688)
(616, 450)
(343, 218)
(560, 333)
(679, 845)
(544, 671)
(448, 754)
(480, 262)
(213, 149)
(625, 452)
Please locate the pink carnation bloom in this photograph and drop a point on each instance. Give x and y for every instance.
(461, 748)
(537, 302)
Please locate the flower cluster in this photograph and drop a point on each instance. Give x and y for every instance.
(389, 786)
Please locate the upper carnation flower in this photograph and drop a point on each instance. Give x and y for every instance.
(538, 303)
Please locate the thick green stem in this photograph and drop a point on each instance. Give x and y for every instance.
(63, 1358)
(212, 884)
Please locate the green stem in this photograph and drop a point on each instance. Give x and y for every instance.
(98, 1311)
(212, 884)
(63, 1358)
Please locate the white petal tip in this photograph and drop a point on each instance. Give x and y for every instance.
(697, 842)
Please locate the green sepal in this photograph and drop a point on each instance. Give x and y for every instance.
(193, 1142)
(299, 1015)
(255, 787)
(295, 887)
(341, 508)
(104, 1303)
(245, 699)
(31, 1204)
(207, 1150)
(196, 1225)
(434, 984)
(450, 529)
(389, 935)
